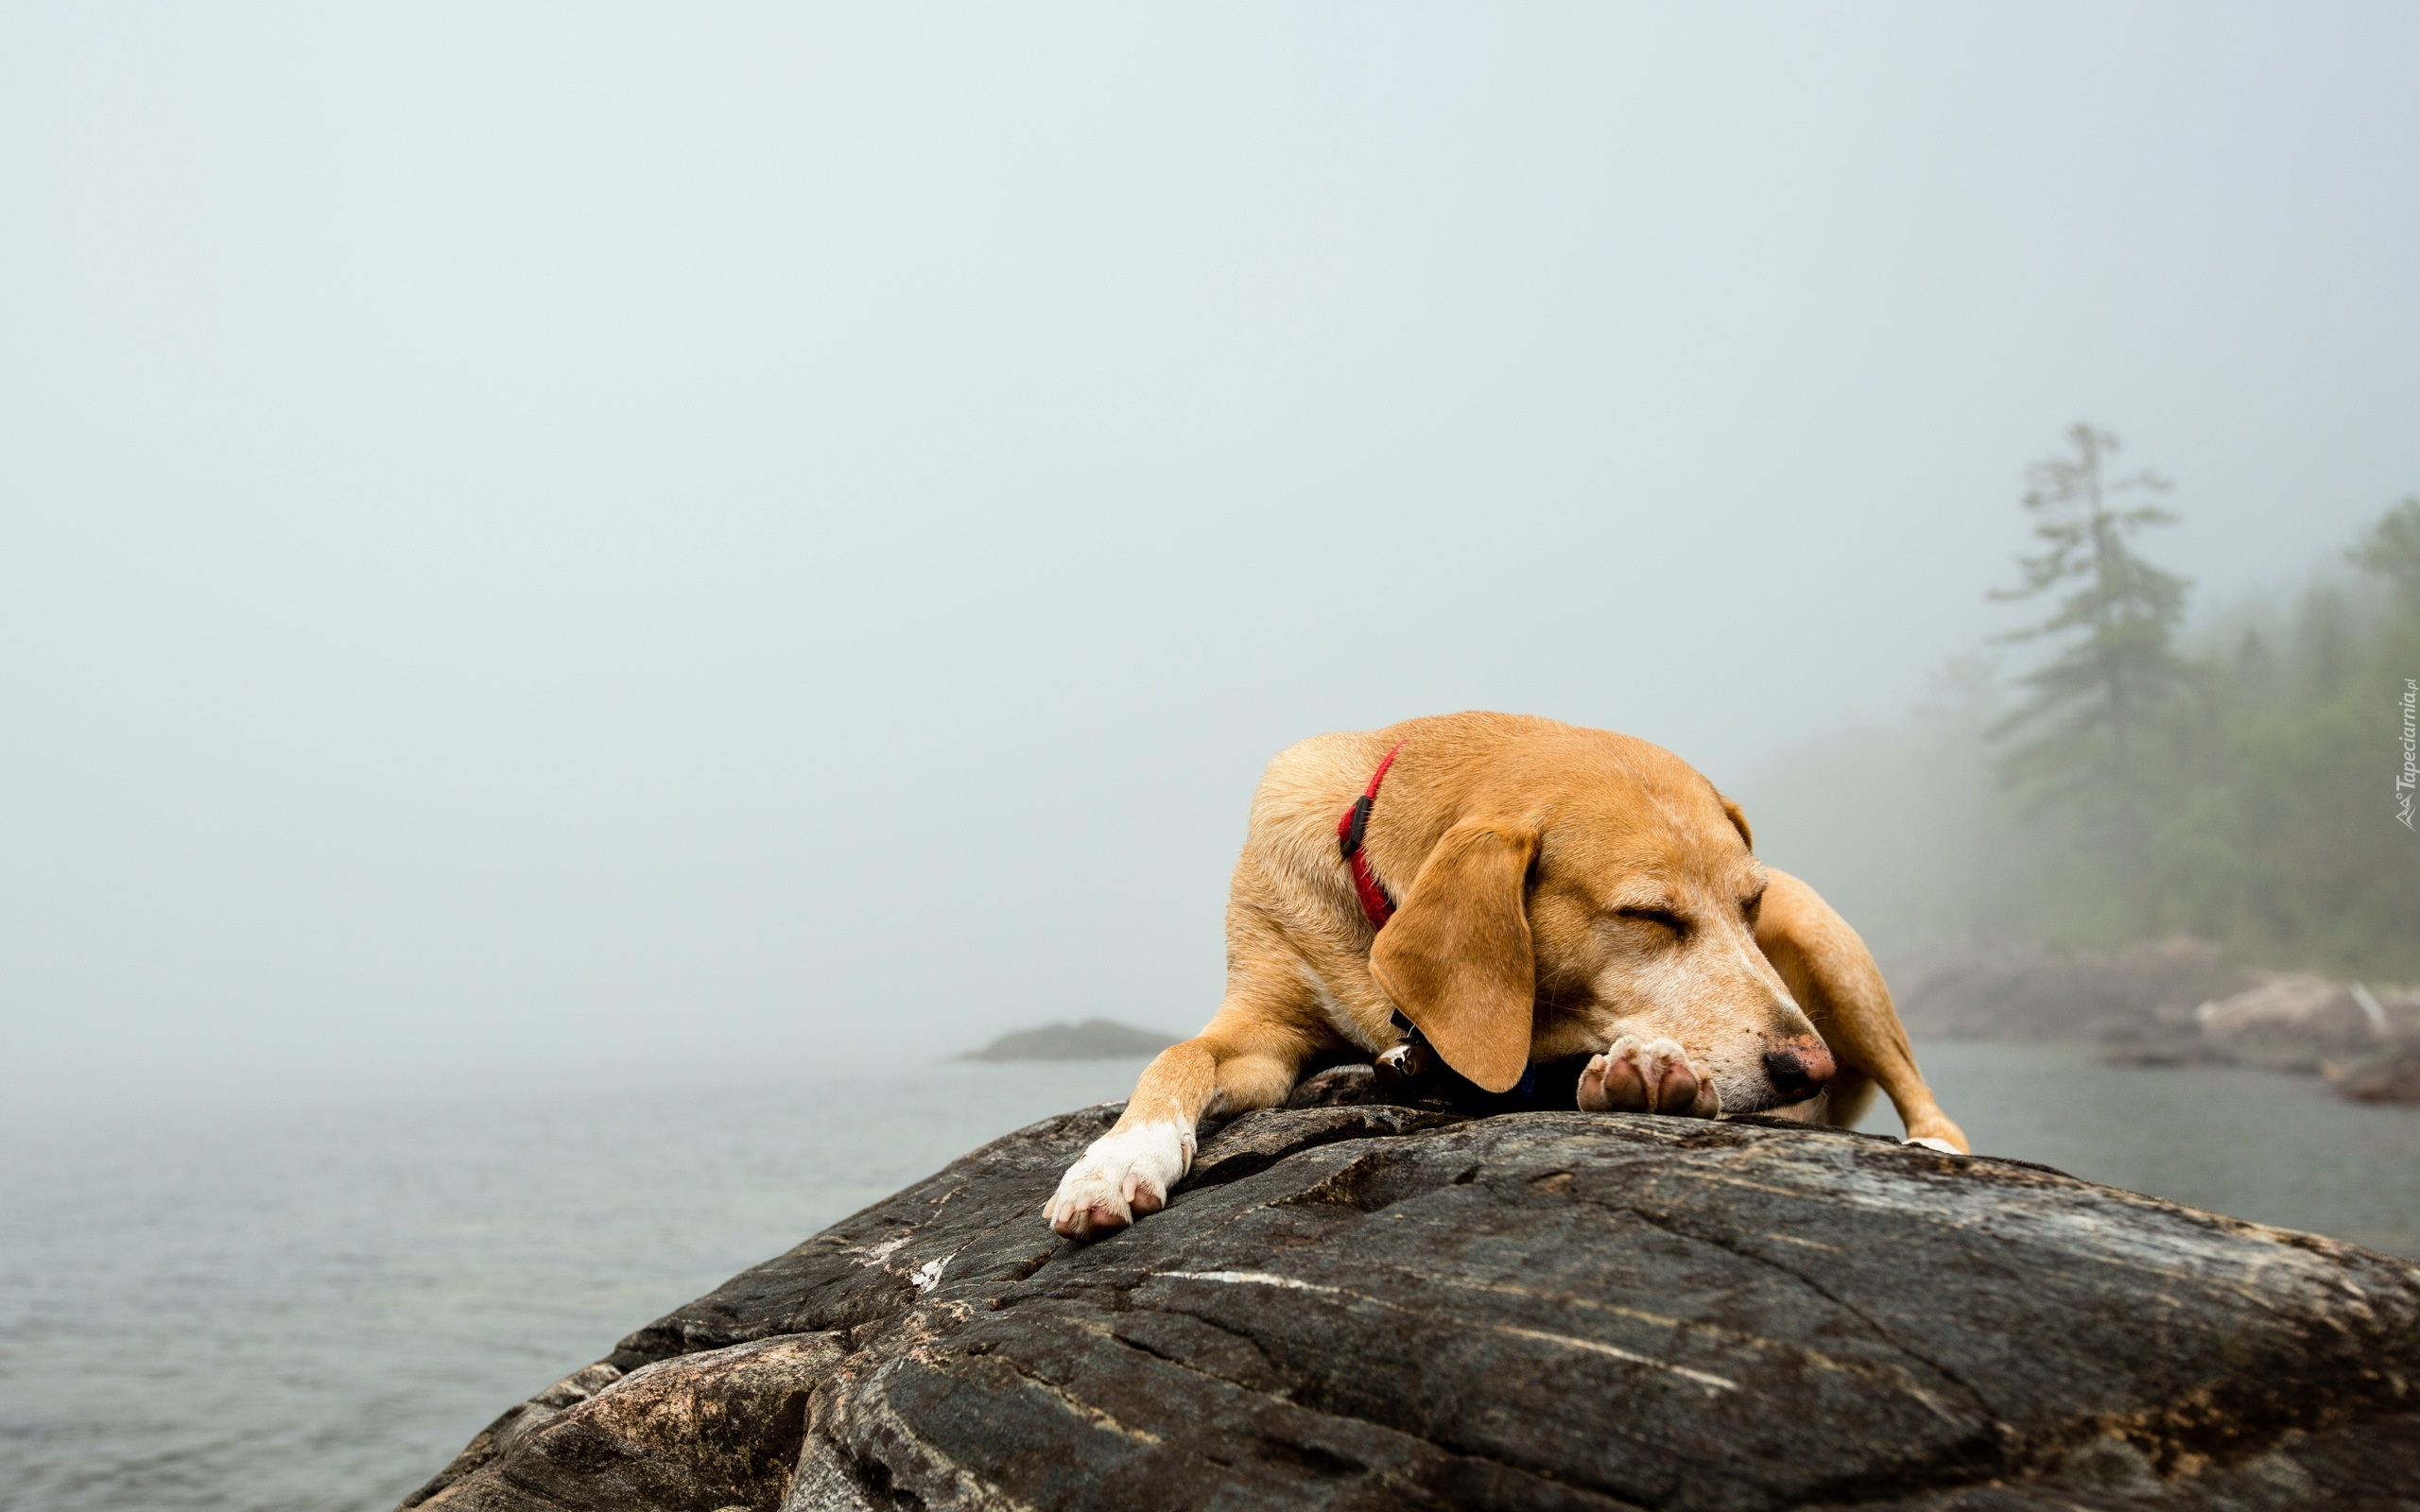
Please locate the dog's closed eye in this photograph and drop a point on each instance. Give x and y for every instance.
(1663, 918)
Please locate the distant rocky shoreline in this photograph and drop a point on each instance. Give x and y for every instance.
(2175, 1003)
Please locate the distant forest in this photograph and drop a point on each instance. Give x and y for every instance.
(2110, 775)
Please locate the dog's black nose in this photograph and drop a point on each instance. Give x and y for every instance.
(1799, 1069)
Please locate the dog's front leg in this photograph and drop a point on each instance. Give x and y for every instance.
(1832, 974)
(1129, 1172)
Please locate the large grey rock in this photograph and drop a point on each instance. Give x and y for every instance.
(1362, 1306)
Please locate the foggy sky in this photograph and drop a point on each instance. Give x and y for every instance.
(706, 537)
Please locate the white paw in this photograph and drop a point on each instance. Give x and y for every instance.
(1637, 1076)
(1942, 1145)
(1125, 1175)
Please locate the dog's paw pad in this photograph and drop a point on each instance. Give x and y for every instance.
(1636, 1075)
(1125, 1176)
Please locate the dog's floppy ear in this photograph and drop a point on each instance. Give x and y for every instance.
(1739, 821)
(1457, 958)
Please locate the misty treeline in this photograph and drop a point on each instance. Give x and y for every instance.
(2116, 771)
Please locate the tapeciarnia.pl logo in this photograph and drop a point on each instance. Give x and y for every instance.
(2406, 778)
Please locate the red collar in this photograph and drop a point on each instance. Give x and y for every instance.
(1375, 905)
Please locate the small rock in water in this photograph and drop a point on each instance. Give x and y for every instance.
(2395, 1079)
(1092, 1040)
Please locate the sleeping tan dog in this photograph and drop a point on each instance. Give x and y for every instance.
(1563, 892)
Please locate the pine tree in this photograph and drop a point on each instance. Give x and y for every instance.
(2089, 707)
(2392, 549)
(2080, 742)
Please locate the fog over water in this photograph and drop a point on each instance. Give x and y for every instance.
(551, 539)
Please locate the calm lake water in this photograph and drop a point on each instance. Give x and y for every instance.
(315, 1310)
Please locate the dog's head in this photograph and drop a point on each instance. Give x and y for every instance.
(1596, 888)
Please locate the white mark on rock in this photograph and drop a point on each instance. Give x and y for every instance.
(2373, 1011)
(1251, 1277)
(1265, 1278)
(877, 1253)
(1942, 1145)
(928, 1274)
(1709, 1382)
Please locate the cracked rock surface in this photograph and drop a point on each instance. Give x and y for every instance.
(1366, 1306)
